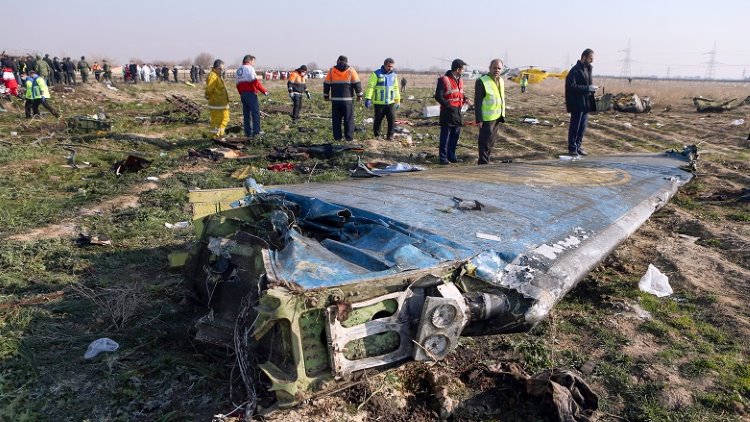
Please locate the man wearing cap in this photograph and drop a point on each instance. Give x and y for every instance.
(489, 92)
(339, 87)
(382, 90)
(450, 94)
(296, 85)
(85, 69)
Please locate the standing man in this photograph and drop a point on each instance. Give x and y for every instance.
(174, 73)
(579, 100)
(218, 99)
(339, 87)
(36, 93)
(248, 85)
(382, 90)
(42, 68)
(84, 68)
(524, 82)
(70, 70)
(403, 84)
(97, 69)
(296, 85)
(489, 91)
(107, 68)
(450, 94)
(57, 69)
(51, 76)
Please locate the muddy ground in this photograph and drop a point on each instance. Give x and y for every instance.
(685, 357)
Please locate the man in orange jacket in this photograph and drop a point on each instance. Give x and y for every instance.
(339, 87)
(297, 87)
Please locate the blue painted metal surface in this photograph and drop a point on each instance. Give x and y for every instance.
(537, 217)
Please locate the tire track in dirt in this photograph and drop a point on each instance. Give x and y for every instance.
(527, 139)
(72, 227)
(628, 136)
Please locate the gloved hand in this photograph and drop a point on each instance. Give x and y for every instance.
(291, 95)
(502, 119)
(368, 103)
(307, 94)
(266, 93)
(326, 97)
(359, 97)
(398, 106)
(593, 88)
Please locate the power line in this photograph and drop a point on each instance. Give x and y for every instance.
(626, 61)
(711, 63)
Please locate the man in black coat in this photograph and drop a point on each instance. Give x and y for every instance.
(579, 100)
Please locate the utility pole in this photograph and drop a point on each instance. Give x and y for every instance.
(625, 73)
(669, 69)
(711, 63)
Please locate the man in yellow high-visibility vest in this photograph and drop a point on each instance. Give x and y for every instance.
(489, 108)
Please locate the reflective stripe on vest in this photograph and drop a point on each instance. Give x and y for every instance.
(493, 103)
(454, 91)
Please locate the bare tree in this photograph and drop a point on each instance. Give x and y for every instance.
(139, 62)
(204, 60)
(312, 66)
(185, 62)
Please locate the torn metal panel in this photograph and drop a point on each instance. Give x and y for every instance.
(342, 278)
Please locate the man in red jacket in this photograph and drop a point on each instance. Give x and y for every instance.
(248, 85)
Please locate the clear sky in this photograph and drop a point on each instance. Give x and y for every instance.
(674, 36)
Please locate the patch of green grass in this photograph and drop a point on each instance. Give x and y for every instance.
(743, 217)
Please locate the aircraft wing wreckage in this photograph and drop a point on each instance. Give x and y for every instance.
(318, 284)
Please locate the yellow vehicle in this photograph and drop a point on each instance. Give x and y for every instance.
(534, 75)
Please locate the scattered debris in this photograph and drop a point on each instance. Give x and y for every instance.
(655, 282)
(431, 111)
(35, 300)
(707, 105)
(99, 240)
(177, 225)
(152, 179)
(182, 110)
(132, 164)
(97, 346)
(376, 169)
(89, 123)
(626, 103)
(738, 122)
(281, 167)
(303, 152)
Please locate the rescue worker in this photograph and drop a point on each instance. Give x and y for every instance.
(383, 91)
(36, 93)
(579, 100)
(489, 91)
(339, 87)
(174, 72)
(42, 68)
(51, 77)
(58, 71)
(403, 84)
(449, 92)
(97, 69)
(107, 69)
(296, 85)
(70, 70)
(524, 82)
(218, 99)
(9, 78)
(248, 86)
(84, 68)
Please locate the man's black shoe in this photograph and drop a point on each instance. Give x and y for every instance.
(444, 163)
(573, 153)
(456, 161)
(581, 152)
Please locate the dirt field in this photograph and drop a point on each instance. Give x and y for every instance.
(685, 357)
